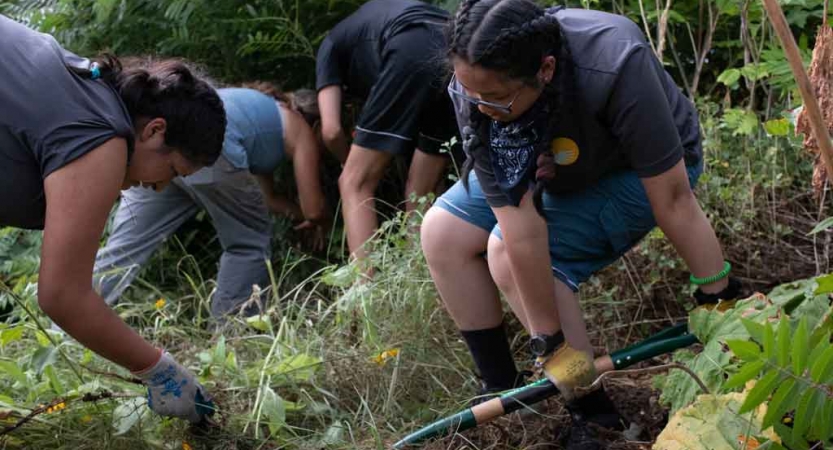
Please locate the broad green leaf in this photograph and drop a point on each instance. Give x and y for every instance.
(819, 423)
(755, 329)
(782, 401)
(14, 371)
(822, 226)
(786, 435)
(260, 322)
(42, 339)
(44, 356)
(128, 414)
(777, 127)
(54, 382)
(747, 372)
(769, 341)
(729, 77)
(784, 343)
(11, 335)
(274, 409)
(807, 408)
(300, 367)
(800, 349)
(822, 367)
(745, 350)
(826, 432)
(220, 350)
(231, 361)
(763, 388)
(343, 276)
(824, 283)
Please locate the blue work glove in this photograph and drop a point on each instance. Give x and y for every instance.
(174, 391)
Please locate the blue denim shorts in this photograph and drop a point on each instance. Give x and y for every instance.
(588, 229)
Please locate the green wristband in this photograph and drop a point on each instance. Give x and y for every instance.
(709, 280)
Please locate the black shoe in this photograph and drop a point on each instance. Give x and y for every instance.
(590, 413)
(598, 408)
(582, 436)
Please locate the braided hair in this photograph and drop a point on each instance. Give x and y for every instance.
(511, 37)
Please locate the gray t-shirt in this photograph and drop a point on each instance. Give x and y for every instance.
(49, 116)
(621, 111)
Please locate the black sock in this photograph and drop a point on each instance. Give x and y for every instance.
(492, 356)
(598, 408)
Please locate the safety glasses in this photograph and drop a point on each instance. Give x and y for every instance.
(505, 109)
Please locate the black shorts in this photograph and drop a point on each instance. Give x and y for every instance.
(408, 106)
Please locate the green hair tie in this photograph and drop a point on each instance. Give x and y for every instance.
(709, 280)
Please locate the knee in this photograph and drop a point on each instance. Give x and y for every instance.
(355, 180)
(438, 246)
(499, 264)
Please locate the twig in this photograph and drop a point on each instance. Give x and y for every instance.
(629, 372)
(88, 398)
(133, 380)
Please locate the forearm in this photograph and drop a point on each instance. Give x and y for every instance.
(526, 239)
(529, 263)
(277, 204)
(313, 206)
(96, 326)
(689, 230)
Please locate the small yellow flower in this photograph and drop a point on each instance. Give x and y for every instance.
(186, 446)
(56, 408)
(383, 357)
(160, 303)
(87, 419)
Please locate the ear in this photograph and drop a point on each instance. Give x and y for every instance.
(152, 128)
(547, 70)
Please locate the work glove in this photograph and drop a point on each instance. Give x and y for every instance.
(723, 300)
(174, 391)
(568, 369)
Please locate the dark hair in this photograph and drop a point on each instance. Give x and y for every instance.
(511, 37)
(175, 91)
(302, 101)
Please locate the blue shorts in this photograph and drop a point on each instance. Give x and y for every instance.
(588, 229)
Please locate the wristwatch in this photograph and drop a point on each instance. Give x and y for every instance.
(545, 344)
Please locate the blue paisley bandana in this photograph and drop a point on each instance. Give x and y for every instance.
(512, 151)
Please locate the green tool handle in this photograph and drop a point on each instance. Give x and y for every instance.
(663, 342)
(647, 350)
(462, 421)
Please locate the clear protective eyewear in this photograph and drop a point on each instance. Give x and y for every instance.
(505, 109)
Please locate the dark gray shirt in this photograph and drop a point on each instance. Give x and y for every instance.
(49, 116)
(621, 111)
(351, 53)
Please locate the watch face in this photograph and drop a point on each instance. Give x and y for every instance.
(538, 345)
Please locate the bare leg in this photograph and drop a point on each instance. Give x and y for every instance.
(454, 251)
(357, 184)
(423, 176)
(566, 301)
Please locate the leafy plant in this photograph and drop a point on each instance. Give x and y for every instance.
(795, 370)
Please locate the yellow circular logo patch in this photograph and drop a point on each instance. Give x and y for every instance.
(565, 151)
